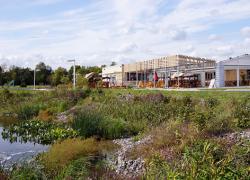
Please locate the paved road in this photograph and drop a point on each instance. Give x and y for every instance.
(30, 89)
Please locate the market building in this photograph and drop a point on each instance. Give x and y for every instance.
(180, 71)
(233, 72)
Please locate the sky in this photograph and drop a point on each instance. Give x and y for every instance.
(97, 32)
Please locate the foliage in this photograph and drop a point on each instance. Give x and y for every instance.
(90, 123)
(242, 113)
(45, 115)
(44, 75)
(62, 153)
(27, 172)
(184, 128)
(158, 168)
(202, 160)
(59, 76)
(174, 134)
(81, 81)
(77, 169)
(28, 111)
(38, 131)
(206, 160)
(3, 175)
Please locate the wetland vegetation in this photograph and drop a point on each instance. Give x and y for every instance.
(192, 135)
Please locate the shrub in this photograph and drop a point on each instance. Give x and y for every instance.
(206, 160)
(90, 123)
(87, 123)
(212, 102)
(158, 168)
(174, 134)
(45, 115)
(27, 172)
(23, 84)
(155, 98)
(242, 113)
(6, 93)
(61, 154)
(113, 128)
(63, 106)
(28, 111)
(77, 169)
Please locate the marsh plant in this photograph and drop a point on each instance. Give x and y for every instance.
(38, 132)
(187, 132)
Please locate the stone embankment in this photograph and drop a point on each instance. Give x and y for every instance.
(122, 164)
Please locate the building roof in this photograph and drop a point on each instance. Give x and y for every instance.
(242, 60)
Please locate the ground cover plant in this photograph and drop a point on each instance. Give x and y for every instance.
(38, 132)
(187, 131)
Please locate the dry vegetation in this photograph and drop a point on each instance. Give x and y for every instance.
(186, 130)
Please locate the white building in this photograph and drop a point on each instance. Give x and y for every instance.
(233, 72)
(113, 74)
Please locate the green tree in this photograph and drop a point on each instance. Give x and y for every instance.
(43, 73)
(58, 76)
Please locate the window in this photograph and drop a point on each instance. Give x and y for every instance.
(248, 74)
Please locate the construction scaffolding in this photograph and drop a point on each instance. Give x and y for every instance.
(170, 71)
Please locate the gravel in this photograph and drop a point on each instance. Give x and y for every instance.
(123, 165)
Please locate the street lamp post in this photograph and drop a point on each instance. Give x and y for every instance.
(35, 70)
(34, 78)
(74, 72)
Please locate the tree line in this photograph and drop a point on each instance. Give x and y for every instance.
(45, 75)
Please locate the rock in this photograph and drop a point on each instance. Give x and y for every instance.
(124, 166)
(237, 136)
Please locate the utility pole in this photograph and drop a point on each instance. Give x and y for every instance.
(74, 72)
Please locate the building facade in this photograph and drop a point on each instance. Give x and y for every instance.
(233, 72)
(181, 71)
(113, 75)
(170, 71)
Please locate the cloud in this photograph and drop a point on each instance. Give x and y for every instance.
(97, 32)
(128, 47)
(245, 31)
(178, 34)
(226, 50)
(214, 37)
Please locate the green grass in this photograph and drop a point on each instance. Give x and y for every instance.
(185, 129)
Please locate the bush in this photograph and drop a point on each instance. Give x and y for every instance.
(45, 115)
(87, 123)
(28, 111)
(23, 84)
(77, 169)
(113, 128)
(27, 172)
(242, 113)
(90, 123)
(174, 134)
(158, 168)
(206, 160)
(6, 93)
(63, 106)
(61, 154)
(212, 102)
